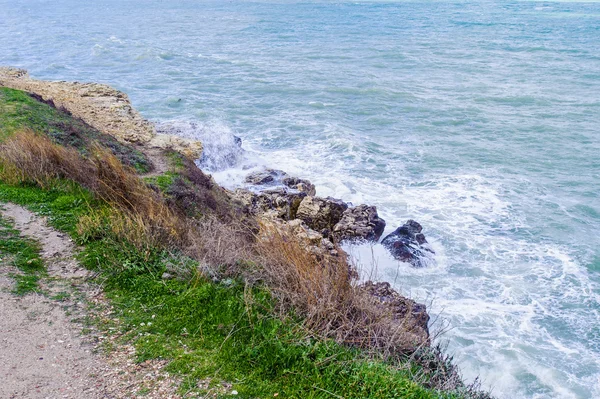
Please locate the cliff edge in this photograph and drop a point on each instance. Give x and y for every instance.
(102, 107)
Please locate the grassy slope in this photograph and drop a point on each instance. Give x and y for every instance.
(18, 110)
(216, 331)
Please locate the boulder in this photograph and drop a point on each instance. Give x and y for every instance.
(321, 213)
(312, 240)
(274, 177)
(359, 223)
(264, 177)
(412, 315)
(284, 202)
(302, 185)
(406, 243)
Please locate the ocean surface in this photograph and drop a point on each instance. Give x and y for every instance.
(481, 120)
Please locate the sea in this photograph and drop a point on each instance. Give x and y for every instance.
(478, 119)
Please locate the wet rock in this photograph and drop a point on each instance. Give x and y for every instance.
(359, 223)
(321, 213)
(406, 243)
(237, 140)
(302, 185)
(264, 177)
(275, 177)
(412, 315)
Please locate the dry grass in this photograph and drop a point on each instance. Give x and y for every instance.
(325, 291)
(139, 213)
(29, 157)
(321, 289)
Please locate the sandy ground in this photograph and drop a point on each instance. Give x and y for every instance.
(42, 351)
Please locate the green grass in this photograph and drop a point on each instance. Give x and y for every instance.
(19, 110)
(23, 254)
(222, 332)
(163, 181)
(217, 332)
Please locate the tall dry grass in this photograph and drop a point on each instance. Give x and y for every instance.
(139, 214)
(326, 293)
(323, 290)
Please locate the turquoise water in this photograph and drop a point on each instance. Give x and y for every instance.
(481, 120)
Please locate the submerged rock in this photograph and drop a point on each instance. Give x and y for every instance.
(412, 315)
(359, 223)
(321, 213)
(406, 243)
(302, 185)
(275, 177)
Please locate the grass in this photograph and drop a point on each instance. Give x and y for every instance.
(229, 311)
(19, 110)
(223, 331)
(24, 255)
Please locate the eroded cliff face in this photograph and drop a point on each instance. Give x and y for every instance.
(102, 107)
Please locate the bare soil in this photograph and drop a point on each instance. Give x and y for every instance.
(43, 353)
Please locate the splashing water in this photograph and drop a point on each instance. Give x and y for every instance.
(477, 119)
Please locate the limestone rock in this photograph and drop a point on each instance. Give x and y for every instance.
(359, 223)
(312, 240)
(302, 185)
(412, 315)
(275, 177)
(280, 200)
(406, 243)
(264, 177)
(321, 213)
(100, 106)
(189, 148)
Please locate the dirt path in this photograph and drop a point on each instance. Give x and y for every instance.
(42, 352)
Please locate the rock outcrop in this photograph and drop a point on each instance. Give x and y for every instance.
(406, 243)
(359, 223)
(321, 213)
(284, 202)
(103, 108)
(312, 240)
(412, 315)
(275, 177)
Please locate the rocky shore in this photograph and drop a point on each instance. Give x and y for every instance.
(277, 200)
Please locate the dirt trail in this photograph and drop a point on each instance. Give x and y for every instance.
(42, 352)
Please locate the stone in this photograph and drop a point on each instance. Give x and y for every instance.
(302, 185)
(280, 200)
(321, 213)
(265, 177)
(406, 243)
(359, 223)
(101, 107)
(412, 315)
(312, 240)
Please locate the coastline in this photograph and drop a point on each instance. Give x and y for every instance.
(273, 209)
